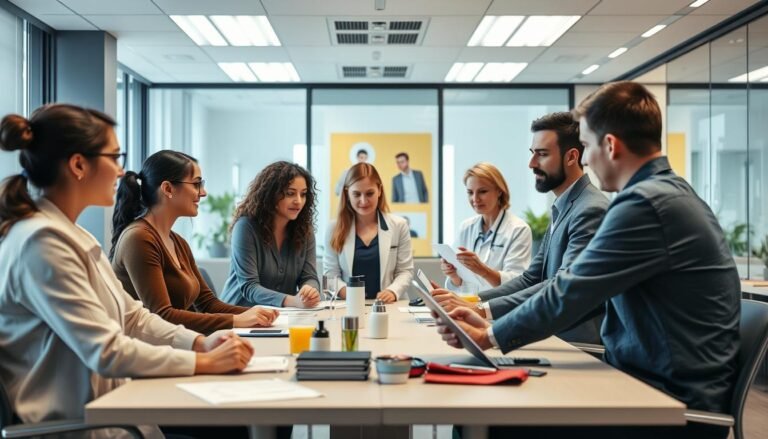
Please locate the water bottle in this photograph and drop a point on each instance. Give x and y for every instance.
(321, 340)
(356, 298)
(378, 325)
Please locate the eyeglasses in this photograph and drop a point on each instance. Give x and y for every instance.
(119, 157)
(199, 185)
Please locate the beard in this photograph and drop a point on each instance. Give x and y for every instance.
(550, 181)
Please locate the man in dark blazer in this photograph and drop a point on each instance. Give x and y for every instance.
(576, 214)
(408, 186)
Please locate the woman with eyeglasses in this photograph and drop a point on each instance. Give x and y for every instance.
(273, 241)
(366, 240)
(154, 263)
(495, 244)
(69, 333)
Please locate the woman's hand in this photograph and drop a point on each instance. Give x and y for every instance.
(256, 316)
(309, 296)
(387, 296)
(231, 354)
(449, 270)
(470, 260)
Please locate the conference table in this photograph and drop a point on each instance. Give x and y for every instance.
(577, 390)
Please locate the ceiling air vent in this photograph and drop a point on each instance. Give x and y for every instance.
(377, 31)
(374, 72)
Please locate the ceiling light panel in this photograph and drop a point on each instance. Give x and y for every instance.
(500, 72)
(199, 29)
(542, 30)
(760, 74)
(697, 3)
(463, 72)
(590, 69)
(618, 52)
(237, 30)
(494, 31)
(238, 71)
(275, 71)
(653, 31)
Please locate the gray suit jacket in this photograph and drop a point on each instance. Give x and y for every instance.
(584, 211)
(398, 192)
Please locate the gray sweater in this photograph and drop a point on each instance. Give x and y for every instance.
(262, 275)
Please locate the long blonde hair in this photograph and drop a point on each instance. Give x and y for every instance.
(491, 173)
(346, 212)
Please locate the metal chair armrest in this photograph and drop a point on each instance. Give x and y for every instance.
(711, 418)
(61, 426)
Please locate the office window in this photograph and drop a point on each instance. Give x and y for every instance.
(12, 77)
(492, 125)
(374, 125)
(233, 133)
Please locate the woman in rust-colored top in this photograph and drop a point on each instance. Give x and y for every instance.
(154, 263)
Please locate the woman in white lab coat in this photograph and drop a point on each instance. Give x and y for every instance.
(494, 245)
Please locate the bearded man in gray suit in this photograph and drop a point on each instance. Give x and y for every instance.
(578, 209)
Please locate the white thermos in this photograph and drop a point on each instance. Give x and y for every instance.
(356, 298)
(378, 326)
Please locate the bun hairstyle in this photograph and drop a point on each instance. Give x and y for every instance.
(139, 192)
(52, 135)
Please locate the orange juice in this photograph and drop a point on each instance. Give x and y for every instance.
(299, 338)
(471, 298)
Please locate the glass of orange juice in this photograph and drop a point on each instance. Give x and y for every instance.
(470, 297)
(300, 330)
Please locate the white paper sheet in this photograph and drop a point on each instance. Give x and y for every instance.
(414, 309)
(267, 364)
(223, 392)
(446, 252)
(325, 304)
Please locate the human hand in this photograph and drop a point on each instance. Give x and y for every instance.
(475, 326)
(450, 301)
(470, 260)
(309, 296)
(449, 270)
(232, 355)
(387, 296)
(255, 316)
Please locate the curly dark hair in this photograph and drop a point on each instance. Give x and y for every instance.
(266, 190)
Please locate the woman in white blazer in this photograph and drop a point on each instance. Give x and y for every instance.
(366, 240)
(69, 333)
(495, 245)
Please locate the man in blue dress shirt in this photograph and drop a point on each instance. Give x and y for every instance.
(659, 261)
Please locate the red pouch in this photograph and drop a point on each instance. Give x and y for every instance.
(442, 374)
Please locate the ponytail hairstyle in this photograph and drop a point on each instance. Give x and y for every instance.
(137, 193)
(53, 134)
(346, 213)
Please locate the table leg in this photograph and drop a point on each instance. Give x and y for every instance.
(262, 432)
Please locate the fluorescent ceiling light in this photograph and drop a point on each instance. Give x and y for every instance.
(697, 3)
(454, 72)
(275, 71)
(463, 72)
(199, 29)
(590, 69)
(500, 71)
(259, 30)
(617, 53)
(760, 74)
(238, 71)
(494, 31)
(653, 31)
(542, 30)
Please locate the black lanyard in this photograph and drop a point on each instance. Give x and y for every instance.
(495, 232)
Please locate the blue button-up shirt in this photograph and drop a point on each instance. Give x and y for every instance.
(662, 265)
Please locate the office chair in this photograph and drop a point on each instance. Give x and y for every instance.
(207, 279)
(12, 428)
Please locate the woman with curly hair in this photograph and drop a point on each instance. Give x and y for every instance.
(367, 240)
(273, 241)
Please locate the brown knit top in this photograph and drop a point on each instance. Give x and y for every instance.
(177, 293)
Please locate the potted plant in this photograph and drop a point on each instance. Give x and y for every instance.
(736, 237)
(538, 225)
(762, 253)
(217, 238)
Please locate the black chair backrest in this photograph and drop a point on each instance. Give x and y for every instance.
(753, 330)
(207, 279)
(6, 411)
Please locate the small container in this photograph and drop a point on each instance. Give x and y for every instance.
(321, 340)
(356, 298)
(350, 327)
(393, 369)
(378, 320)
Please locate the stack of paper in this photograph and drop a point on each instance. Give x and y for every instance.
(267, 364)
(223, 392)
(325, 304)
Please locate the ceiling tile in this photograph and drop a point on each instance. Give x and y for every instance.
(138, 39)
(66, 22)
(729, 7)
(566, 55)
(594, 39)
(193, 76)
(208, 7)
(247, 54)
(42, 7)
(365, 7)
(499, 54)
(136, 23)
(301, 30)
(541, 7)
(363, 55)
(450, 31)
(650, 7)
(635, 23)
(172, 54)
(316, 72)
(112, 7)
